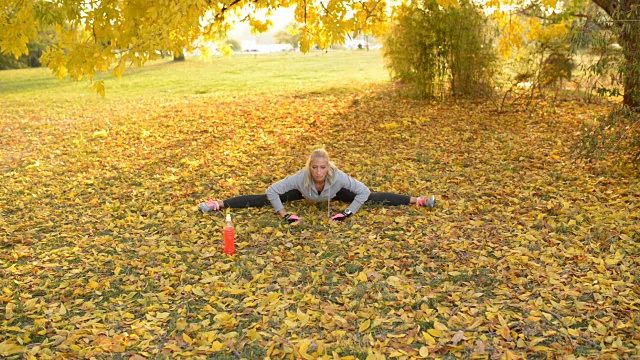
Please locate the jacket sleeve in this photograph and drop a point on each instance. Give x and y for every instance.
(289, 183)
(361, 190)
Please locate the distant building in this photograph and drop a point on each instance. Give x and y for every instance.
(251, 46)
(364, 43)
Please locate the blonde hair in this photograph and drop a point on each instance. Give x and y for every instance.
(319, 154)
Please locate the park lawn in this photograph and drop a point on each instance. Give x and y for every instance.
(236, 75)
(531, 251)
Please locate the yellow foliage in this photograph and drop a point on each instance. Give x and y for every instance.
(93, 38)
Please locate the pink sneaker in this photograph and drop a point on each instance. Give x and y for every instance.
(428, 202)
(212, 205)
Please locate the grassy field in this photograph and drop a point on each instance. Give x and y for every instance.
(532, 252)
(237, 75)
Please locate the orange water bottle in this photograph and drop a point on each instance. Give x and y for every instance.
(229, 235)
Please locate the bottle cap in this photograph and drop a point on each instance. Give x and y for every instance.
(228, 217)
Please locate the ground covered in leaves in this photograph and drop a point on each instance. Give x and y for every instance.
(531, 252)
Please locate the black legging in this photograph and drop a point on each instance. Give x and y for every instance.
(345, 195)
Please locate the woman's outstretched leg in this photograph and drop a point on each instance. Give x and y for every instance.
(387, 198)
(245, 201)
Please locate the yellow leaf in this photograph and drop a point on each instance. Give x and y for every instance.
(550, 4)
(304, 318)
(394, 281)
(304, 346)
(290, 323)
(540, 348)
(162, 315)
(208, 279)
(181, 324)
(505, 332)
(92, 285)
(457, 337)
(573, 332)
(9, 314)
(223, 317)
(365, 325)
(198, 291)
(535, 341)
(502, 321)
(435, 332)
(117, 270)
(9, 348)
(173, 347)
(389, 126)
(396, 336)
(424, 352)
(253, 335)
(533, 318)
(187, 338)
(428, 338)
(98, 87)
(612, 261)
(439, 326)
(188, 288)
(362, 276)
(100, 134)
(217, 346)
(62, 310)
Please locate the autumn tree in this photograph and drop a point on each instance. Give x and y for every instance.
(35, 47)
(108, 35)
(625, 16)
(96, 35)
(290, 35)
(550, 20)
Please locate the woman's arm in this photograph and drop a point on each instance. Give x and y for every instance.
(289, 183)
(361, 190)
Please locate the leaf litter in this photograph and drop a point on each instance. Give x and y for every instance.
(531, 252)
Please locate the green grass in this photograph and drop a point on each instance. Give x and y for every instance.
(237, 75)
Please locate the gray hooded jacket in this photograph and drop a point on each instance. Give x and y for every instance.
(340, 181)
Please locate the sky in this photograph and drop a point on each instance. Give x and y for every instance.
(281, 18)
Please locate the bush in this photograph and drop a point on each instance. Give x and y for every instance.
(235, 44)
(617, 135)
(441, 51)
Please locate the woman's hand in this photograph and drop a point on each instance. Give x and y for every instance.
(292, 219)
(341, 216)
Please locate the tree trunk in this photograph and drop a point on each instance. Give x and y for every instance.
(626, 15)
(631, 50)
(178, 57)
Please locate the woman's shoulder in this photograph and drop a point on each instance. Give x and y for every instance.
(296, 177)
(300, 175)
(339, 175)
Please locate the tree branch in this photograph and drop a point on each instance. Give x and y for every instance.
(609, 6)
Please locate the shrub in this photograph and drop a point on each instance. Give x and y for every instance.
(616, 134)
(235, 44)
(439, 50)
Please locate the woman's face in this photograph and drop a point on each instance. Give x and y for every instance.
(319, 168)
